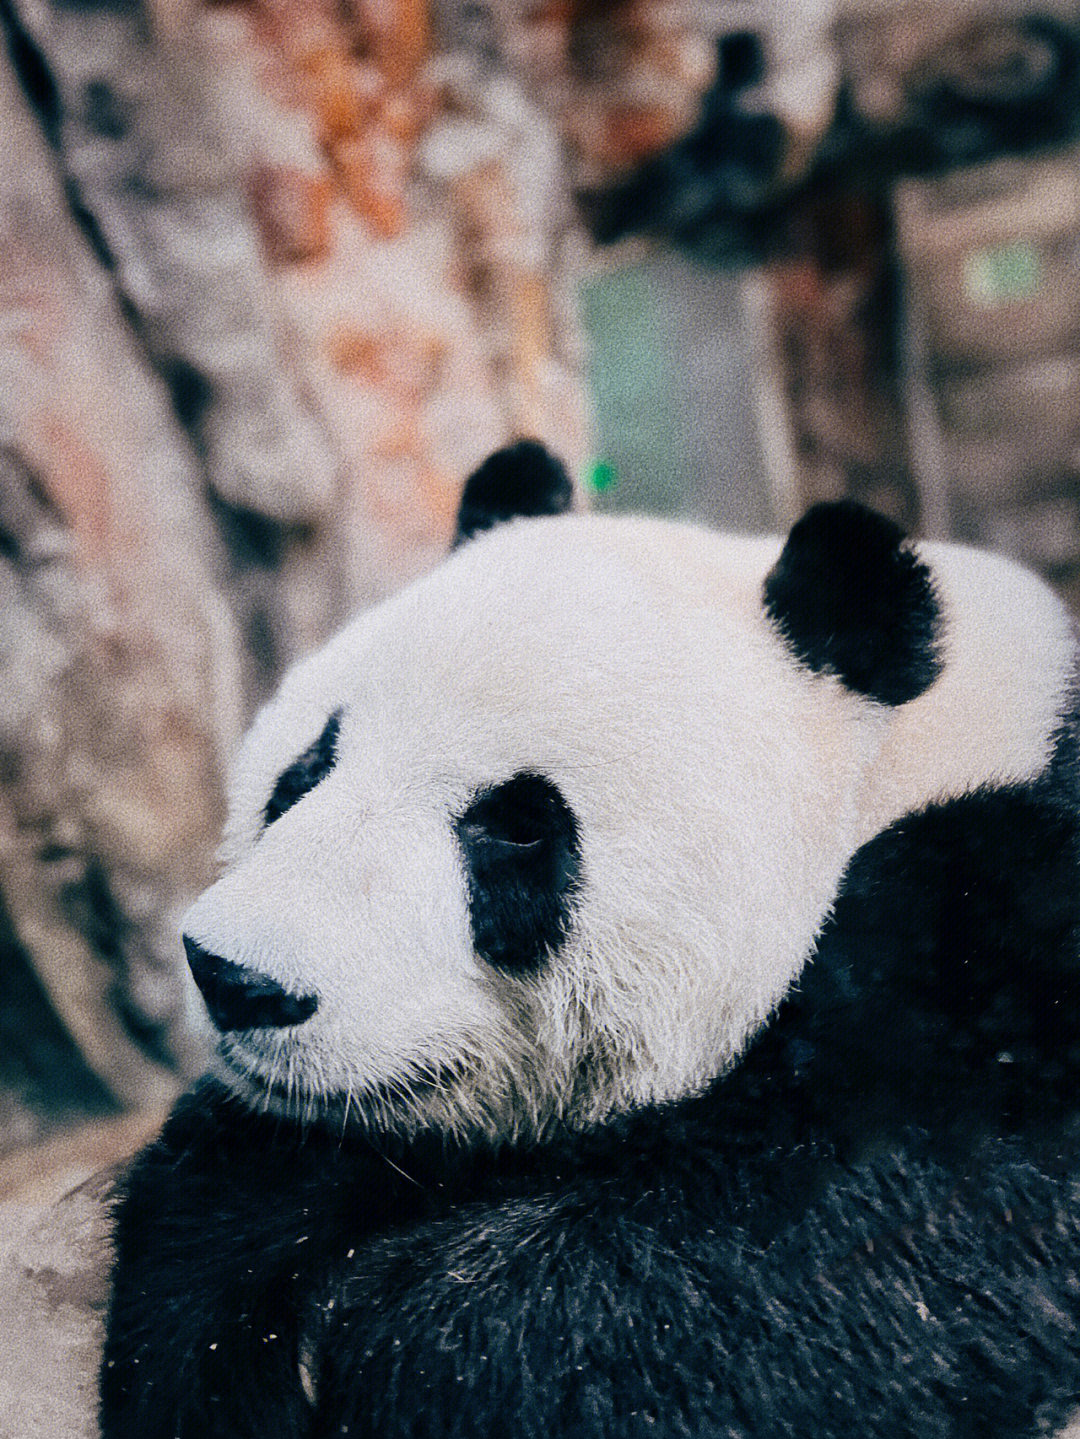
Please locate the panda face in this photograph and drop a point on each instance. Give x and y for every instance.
(546, 835)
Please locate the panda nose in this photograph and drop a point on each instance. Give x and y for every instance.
(239, 998)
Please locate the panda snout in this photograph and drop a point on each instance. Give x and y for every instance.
(241, 998)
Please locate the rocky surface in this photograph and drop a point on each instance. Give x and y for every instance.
(53, 1289)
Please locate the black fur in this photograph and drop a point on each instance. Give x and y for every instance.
(523, 863)
(870, 1226)
(851, 599)
(305, 772)
(523, 479)
(240, 998)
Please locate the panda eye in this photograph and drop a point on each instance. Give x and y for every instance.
(499, 822)
(305, 772)
(474, 833)
(522, 858)
(519, 814)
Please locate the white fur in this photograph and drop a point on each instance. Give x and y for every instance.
(720, 790)
(1009, 657)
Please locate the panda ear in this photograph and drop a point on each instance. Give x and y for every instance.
(523, 479)
(851, 598)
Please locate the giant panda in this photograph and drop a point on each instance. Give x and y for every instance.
(645, 969)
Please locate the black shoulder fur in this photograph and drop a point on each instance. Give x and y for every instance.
(870, 1226)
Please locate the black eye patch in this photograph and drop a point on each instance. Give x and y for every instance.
(523, 861)
(305, 772)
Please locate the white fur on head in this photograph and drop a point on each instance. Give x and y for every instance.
(719, 789)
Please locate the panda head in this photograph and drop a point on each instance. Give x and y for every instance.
(549, 834)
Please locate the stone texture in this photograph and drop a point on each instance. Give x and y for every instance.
(53, 1288)
(117, 657)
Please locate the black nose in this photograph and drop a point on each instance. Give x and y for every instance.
(238, 998)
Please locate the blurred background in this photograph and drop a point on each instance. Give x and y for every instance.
(276, 274)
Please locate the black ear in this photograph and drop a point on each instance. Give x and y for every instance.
(852, 599)
(523, 479)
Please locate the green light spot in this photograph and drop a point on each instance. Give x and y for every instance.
(601, 476)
